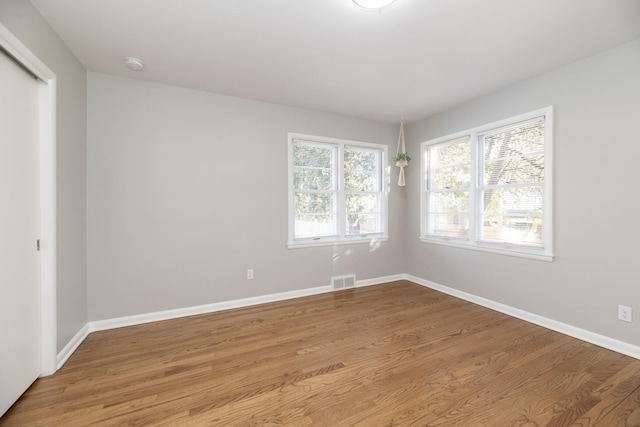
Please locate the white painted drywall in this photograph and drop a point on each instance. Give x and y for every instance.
(187, 190)
(24, 22)
(170, 226)
(597, 107)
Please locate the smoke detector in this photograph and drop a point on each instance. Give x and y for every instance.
(133, 63)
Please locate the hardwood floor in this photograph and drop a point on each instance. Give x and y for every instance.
(395, 354)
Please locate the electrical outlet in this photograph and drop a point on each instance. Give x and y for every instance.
(625, 313)
(250, 274)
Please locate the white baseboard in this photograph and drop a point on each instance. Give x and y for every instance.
(380, 280)
(71, 346)
(138, 319)
(572, 331)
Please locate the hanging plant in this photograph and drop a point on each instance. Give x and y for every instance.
(402, 159)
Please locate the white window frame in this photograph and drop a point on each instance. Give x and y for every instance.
(544, 253)
(341, 238)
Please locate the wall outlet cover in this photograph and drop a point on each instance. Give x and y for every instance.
(625, 313)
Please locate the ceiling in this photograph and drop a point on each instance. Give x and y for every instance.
(412, 59)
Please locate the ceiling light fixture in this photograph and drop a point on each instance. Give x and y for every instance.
(133, 63)
(373, 4)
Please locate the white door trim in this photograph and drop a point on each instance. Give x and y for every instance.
(47, 147)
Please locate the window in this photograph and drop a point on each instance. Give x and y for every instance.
(336, 191)
(490, 188)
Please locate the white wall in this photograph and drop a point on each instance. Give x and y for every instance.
(24, 22)
(173, 223)
(188, 189)
(597, 105)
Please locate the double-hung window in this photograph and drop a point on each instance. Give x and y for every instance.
(490, 188)
(336, 191)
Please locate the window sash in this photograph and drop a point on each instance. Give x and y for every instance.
(357, 210)
(517, 165)
(364, 217)
(316, 189)
(517, 192)
(442, 220)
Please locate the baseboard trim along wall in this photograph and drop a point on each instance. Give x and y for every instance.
(563, 328)
(581, 334)
(139, 319)
(71, 346)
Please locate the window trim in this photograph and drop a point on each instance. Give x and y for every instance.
(341, 238)
(546, 252)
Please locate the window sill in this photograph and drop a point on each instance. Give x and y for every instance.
(538, 255)
(308, 243)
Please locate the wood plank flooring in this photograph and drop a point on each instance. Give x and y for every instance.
(395, 354)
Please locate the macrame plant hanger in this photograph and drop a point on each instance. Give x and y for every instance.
(401, 149)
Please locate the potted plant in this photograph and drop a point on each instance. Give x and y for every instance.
(402, 159)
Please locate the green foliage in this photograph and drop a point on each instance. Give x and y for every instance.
(450, 166)
(512, 179)
(316, 183)
(402, 157)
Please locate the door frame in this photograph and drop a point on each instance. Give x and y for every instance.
(47, 182)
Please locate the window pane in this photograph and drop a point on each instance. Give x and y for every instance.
(516, 229)
(362, 203)
(315, 225)
(453, 177)
(451, 153)
(513, 215)
(449, 202)
(314, 166)
(363, 213)
(505, 201)
(515, 141)
(514, 154)
(362, 169)
(312, 155)
(515, 170)
(310, 178)
(315, 214)
(449, 169)
(449, 225)
(314, 203)
(361, 181)
(450, 165)
(361, 159)
(363, 223)
(362, 177)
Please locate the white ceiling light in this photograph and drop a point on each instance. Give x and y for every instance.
(373, 4)
(134, 64)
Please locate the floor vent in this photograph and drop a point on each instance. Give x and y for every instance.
(344, 282)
